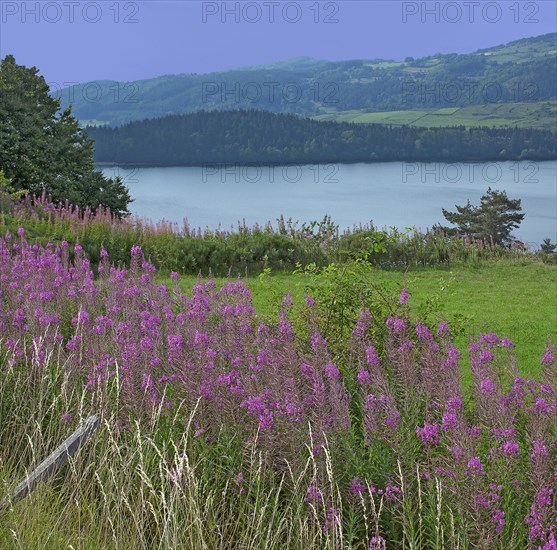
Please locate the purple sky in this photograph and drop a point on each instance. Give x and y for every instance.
(130, 40)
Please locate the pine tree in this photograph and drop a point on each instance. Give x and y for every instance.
(494, 219)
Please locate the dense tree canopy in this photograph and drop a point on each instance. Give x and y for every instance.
(494, 218)
(258, 136)
(43, 149)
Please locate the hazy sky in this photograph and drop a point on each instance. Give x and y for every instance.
(71, 41)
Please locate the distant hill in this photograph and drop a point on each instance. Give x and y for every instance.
(261, 137)
(518, 73)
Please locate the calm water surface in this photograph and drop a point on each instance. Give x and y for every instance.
(388, 194)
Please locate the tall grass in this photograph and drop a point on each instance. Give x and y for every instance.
(244, 249)
(221, 429)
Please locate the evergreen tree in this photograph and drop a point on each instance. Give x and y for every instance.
(548, 247)
(44, 150)
(494, 219)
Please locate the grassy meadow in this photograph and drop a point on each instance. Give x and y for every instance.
(328, 405)
(515, 300)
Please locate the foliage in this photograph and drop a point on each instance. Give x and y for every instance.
(215, 138)
(247, 250)
(548, 252)
(494, 219)
(341, 293)
(548, 247)
(222, 429)
(42, 149)
(519, 72)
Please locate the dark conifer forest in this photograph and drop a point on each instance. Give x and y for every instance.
(262, 137)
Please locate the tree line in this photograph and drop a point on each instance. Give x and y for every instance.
(241, 136)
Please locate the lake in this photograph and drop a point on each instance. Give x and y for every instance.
(387, 194)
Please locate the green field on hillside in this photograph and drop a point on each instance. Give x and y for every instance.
(542, 114)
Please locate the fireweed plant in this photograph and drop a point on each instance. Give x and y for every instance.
(247, 249)
(222, 430)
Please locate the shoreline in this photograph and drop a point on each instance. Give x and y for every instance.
(105, 164)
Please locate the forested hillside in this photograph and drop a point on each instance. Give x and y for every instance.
(262, 137)
(523, 71)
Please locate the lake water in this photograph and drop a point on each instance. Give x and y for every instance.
(388, 194)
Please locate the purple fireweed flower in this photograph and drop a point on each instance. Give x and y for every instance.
(174, 276)
(539, 511)
(449, 422)
(510, 448)
(392, 492)
(539, 449)
(491, 339)
(314, 495)
(371, 357)
(429, 434)
(396, 324)
(363, 322)
(498, 518)
(364, 377)
(331, 519)
(146, 344)
(284, 326)
(147, 382)
(508, 432)
(317, 342)
(392, 420)
(423, 333)
(238, 481)
(487, 387)
(541, 406)
(200, 338)
(475, 467)
(443, 328)
(136, 251)
(505, 343)
(310, 302)
(473, 346)
(377, 543)
(444, 472)
(548, 359)
(357, 486)
(454, 404)
(266, 419)
(332, 371)
(307, 369)
(403, 296)
(457, 451)
(551, 543)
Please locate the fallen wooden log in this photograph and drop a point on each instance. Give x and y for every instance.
(54, 462)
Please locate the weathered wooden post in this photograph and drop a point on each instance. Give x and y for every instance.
(55, 461)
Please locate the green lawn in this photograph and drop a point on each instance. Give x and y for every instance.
(515, 301)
